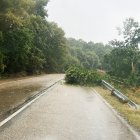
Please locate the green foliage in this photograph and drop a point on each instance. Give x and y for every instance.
(133, 80)
(118, 62)
(39, 7)
(90, 55)
(17, 45)
(124, 60)
(28, 42)
(81, 76)
(55, 50)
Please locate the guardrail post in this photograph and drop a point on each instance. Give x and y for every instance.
(119, 95)
(112, 91)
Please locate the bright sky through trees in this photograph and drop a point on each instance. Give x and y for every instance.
(94, 20)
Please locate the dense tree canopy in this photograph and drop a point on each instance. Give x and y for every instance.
(90, 55)
(124, 60)
(28, 42)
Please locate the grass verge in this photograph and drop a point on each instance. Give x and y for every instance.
(130, 115)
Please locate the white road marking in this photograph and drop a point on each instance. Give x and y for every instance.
(117, 115)
(26, 105)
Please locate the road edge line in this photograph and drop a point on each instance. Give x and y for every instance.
(135, 133)
(28, 103)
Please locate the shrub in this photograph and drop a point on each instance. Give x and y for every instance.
(81, 76)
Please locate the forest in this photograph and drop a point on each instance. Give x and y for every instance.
(120, 59)
(31, 44)
(123, 61)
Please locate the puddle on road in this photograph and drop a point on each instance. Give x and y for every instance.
(14, 93)
(13, 96)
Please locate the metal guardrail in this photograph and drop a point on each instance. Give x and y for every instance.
(120, 95)
(131, 103)
(107, 85)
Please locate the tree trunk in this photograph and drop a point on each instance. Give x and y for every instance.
(133, 67)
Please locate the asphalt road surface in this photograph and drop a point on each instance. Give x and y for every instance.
(14, 92)
(66, 113)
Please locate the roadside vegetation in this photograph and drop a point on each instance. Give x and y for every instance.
(120, 66)
(120, 60)
(89, 55)
(30, 44)
(132, 92)
(123, 62)
(82, 76)
(132, 116)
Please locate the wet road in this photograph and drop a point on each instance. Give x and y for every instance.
(14, 92)
(66, 113)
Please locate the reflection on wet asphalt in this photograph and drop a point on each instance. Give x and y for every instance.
(15, 92)
(66, 113)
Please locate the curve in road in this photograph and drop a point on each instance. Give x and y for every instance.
(66, 113)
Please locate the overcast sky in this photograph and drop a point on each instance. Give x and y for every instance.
(92, 20)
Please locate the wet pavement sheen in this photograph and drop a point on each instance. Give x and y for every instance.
(66, 113)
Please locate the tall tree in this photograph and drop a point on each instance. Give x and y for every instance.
(124, 58)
